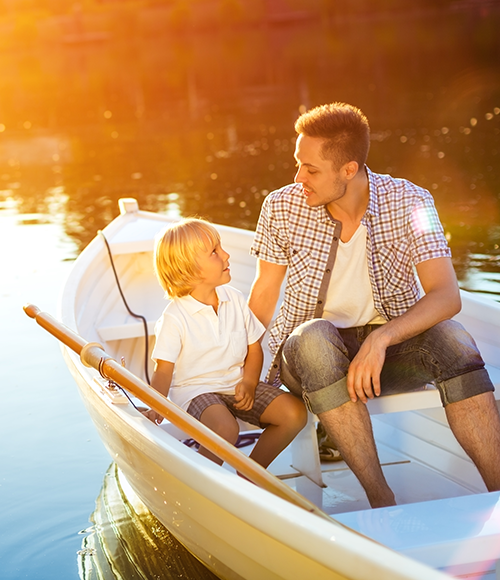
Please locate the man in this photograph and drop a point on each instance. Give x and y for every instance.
(354, 323)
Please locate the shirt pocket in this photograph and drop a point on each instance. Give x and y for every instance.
(298, 270)
(397, 268)
(239, 344)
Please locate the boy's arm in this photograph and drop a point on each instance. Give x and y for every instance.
(161, 381)
(245, 389)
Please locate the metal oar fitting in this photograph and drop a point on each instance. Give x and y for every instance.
(93, 355)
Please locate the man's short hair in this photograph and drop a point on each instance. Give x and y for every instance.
(344, 128)
(176, 254)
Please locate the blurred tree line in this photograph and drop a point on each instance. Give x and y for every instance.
(24, 22)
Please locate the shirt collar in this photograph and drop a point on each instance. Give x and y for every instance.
(373, 201)
(193, 306)
(323, 215)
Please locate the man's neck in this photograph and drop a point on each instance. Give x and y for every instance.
(352, 205)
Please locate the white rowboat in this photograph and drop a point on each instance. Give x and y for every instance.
(445, 523)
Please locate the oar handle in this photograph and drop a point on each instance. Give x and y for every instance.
(93, 355)
(67, 336)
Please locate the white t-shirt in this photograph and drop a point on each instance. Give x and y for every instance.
(207, 349)
(349, 299)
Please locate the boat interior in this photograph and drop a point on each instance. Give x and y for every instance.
(444, 516)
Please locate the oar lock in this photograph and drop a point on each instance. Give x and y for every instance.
(93, 352)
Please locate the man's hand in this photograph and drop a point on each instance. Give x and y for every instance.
(363, 376)
(245, 395)
(441, 301)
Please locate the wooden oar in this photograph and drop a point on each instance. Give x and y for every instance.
(93, 355)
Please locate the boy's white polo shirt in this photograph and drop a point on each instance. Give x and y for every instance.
(207, 349)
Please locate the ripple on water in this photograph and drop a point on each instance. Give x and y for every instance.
(127, 541)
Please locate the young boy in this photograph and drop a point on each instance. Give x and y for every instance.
(208, 355)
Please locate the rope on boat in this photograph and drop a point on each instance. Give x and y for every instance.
(242, 441)
(144, 321)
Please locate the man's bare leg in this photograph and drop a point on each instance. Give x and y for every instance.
(475, 422)
(350, 427)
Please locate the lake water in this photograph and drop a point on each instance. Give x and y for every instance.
(202, 123)
(52, 460)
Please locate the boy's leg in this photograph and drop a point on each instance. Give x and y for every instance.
(284, 418)
(221, 421)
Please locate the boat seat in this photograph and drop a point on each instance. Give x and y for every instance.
(133, 329)
(305, 453)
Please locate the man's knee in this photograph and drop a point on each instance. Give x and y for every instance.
(452, 346)
(314, 340)
(315, 364)
(462, 372)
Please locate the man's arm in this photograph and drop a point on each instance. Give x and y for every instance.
(266, 290)
(441, 302)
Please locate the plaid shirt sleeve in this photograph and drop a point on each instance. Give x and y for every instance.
(269, 244)
(427, 235)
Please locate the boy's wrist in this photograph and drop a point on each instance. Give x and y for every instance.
(249, 383)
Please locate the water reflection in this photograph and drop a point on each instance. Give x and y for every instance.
(208, 116)
(127, 541)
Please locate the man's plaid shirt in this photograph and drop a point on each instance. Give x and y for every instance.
(403, 229)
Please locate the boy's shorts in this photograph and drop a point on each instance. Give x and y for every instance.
(264, 395)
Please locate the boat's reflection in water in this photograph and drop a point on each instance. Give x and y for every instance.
(128, 542)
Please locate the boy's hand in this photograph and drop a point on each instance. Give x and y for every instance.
(151, 415)
(244, 393)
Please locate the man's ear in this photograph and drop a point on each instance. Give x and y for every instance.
(350, 169)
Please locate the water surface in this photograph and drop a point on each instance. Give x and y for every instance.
(202, 123)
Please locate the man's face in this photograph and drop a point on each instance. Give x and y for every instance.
(320, 182)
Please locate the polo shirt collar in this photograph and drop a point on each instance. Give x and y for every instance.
(193, 306)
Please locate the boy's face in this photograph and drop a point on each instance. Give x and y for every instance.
(214, 266)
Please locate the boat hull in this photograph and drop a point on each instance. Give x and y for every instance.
(238, 530)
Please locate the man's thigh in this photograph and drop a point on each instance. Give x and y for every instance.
(439, 354)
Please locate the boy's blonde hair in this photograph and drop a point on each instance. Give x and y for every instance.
(176, 251)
